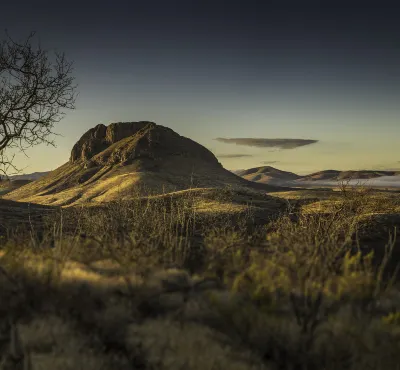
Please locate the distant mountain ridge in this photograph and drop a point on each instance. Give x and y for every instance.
(271, 175)
(347, 175)
(27, 176)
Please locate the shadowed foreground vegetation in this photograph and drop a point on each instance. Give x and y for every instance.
(157, 283)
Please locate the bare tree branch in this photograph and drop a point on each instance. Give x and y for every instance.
(34, 93)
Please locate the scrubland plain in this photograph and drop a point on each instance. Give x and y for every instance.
(203, 279)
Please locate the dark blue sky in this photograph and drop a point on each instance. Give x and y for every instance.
(320, 70)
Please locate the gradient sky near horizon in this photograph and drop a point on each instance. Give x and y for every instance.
(231, 75)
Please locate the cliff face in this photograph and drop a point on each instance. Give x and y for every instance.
(123, 142)
(101, 137)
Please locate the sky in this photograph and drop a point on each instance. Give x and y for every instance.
(299, 85)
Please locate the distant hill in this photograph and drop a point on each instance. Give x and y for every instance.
(28, 176)
(334, 175)
(16, 181)
(267, 175)
(273, 176)
(321, 175)
(116, 161)
(7, 186)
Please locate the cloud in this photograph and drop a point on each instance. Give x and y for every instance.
(233, 155)
(270, 162)
(268, 143)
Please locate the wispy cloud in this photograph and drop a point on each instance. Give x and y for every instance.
(233, 155)
(269, 162)
(268, 143)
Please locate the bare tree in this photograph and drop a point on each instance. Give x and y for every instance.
(34, 92)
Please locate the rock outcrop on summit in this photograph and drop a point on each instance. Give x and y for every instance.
(122, 143)
(115, 161)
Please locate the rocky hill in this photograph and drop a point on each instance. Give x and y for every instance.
(115, 161)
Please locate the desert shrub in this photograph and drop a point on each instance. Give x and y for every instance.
(303, 292)
(297, 285)
(361, 199)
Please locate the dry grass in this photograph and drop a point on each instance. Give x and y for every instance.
(166, 282)
(73, 184)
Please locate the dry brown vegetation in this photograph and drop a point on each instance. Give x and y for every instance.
(159, 282)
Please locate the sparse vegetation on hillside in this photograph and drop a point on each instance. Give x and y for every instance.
(158, 283)
(109, 162)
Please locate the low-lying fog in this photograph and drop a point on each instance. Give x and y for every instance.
(384, 181)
